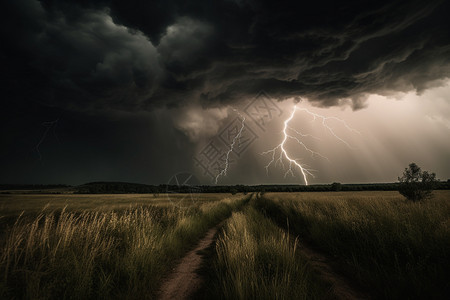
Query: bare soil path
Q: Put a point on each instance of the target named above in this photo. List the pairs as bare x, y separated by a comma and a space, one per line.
342, 288
184, 281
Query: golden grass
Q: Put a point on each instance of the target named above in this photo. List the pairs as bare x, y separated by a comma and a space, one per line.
15, 204
101, 254
255, 259
393, 247
353, 195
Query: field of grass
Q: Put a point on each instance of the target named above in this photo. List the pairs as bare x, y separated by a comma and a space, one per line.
15, 204
120, 246
393, 248
255, 259
92, 252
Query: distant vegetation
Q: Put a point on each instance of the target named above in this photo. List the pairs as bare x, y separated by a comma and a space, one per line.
135, 188
122, 187
32, 186
416, 184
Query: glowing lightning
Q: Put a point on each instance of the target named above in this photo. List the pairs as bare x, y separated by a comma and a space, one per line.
293, 162
236, 137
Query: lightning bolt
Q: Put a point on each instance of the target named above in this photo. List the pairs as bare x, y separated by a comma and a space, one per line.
48, 125
295, 137
224, 171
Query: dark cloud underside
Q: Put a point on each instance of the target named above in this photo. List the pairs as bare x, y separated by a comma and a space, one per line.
134, 55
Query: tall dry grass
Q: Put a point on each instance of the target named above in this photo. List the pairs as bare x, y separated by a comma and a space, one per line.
255, 259
98, 254
394, 248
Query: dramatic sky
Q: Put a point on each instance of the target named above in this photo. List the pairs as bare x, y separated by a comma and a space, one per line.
141, 90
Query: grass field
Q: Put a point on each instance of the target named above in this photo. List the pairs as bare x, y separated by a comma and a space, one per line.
86, 251
120, 246
14, 204
392, 248
255, 259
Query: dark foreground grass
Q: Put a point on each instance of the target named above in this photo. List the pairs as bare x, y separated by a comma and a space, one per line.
255, 259
393, 248
101, 254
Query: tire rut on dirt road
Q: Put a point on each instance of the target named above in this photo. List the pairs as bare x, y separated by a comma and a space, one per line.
184, 281
342, 288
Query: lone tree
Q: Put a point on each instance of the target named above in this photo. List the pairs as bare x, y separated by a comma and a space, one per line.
416, 184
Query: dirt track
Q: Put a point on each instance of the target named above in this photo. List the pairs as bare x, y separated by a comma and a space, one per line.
184, 281
342, 288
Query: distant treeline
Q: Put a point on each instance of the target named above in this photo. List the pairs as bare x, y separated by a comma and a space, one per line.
124, 187
135, 188
4, 187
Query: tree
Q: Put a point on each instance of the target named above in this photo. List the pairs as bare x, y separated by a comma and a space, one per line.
336, 186
416, 184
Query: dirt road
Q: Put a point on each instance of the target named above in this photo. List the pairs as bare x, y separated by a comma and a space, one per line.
184, 281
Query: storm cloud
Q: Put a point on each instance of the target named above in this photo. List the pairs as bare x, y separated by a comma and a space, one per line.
138, 55
135, 89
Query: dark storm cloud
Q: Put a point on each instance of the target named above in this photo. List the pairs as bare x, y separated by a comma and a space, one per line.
131, 55
82, 147
80, 60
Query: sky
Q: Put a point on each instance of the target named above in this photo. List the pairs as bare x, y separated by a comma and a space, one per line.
140, 91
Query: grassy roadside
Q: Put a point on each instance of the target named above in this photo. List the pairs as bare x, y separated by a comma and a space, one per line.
255, 259
396, 249
98, 254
